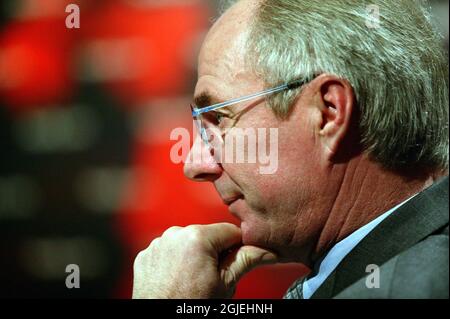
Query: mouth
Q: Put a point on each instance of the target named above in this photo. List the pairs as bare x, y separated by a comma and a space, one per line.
235, 206
230, 200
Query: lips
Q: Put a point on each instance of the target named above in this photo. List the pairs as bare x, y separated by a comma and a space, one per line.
230, 200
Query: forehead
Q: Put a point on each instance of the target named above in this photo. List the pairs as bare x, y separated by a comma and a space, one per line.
229, 32
224, 48
222, 57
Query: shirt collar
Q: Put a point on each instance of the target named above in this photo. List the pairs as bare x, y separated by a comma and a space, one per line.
336, 254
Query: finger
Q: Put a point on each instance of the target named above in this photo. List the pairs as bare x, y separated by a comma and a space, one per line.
242, 261
223, 236
170, 231
152, 243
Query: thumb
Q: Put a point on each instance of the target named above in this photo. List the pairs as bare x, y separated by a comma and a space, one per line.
242, 260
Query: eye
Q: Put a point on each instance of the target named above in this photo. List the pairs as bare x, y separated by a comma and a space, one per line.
219, 117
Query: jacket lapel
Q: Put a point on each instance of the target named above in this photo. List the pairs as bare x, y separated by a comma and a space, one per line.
421, 216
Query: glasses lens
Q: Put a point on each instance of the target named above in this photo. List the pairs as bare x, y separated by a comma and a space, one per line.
208, 131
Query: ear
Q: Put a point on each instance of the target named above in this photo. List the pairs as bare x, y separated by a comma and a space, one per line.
337, 104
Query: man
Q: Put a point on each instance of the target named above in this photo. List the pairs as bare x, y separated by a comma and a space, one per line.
360, 194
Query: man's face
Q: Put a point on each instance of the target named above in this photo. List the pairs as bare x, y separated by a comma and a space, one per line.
276, 210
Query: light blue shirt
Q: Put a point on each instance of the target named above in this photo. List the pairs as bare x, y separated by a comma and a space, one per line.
340, 250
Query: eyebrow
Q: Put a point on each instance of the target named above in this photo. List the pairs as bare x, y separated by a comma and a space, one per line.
205, 99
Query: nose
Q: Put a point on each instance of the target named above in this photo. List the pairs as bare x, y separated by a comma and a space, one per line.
200, 165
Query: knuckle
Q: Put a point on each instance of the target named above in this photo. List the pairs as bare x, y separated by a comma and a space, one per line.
172, 230
154, 244
140, 256
195, 233
138, 260
145, 255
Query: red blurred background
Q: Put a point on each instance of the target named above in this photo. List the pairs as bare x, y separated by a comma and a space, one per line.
85, 119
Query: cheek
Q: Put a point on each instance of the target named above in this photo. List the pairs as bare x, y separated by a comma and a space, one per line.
259, 190
267, 192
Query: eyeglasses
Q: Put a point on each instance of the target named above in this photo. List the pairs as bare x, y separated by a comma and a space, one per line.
213, 125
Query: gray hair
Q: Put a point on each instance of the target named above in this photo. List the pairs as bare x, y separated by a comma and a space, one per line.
398, 69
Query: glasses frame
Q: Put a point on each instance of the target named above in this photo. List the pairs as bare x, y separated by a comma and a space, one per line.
197, 112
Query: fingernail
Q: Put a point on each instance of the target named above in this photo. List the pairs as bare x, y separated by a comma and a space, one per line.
269, 258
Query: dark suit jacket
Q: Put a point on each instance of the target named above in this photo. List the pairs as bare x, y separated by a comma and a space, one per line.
410, 247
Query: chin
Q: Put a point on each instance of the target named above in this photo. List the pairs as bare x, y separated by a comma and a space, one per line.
255, 229
256, 232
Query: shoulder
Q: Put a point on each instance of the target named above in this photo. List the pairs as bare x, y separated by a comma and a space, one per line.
422, 271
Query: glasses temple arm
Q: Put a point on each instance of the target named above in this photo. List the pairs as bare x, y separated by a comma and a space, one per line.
283, 87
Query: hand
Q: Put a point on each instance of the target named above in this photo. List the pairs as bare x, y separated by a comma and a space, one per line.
198, 261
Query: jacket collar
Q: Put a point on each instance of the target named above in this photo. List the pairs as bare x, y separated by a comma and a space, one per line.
423, 215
